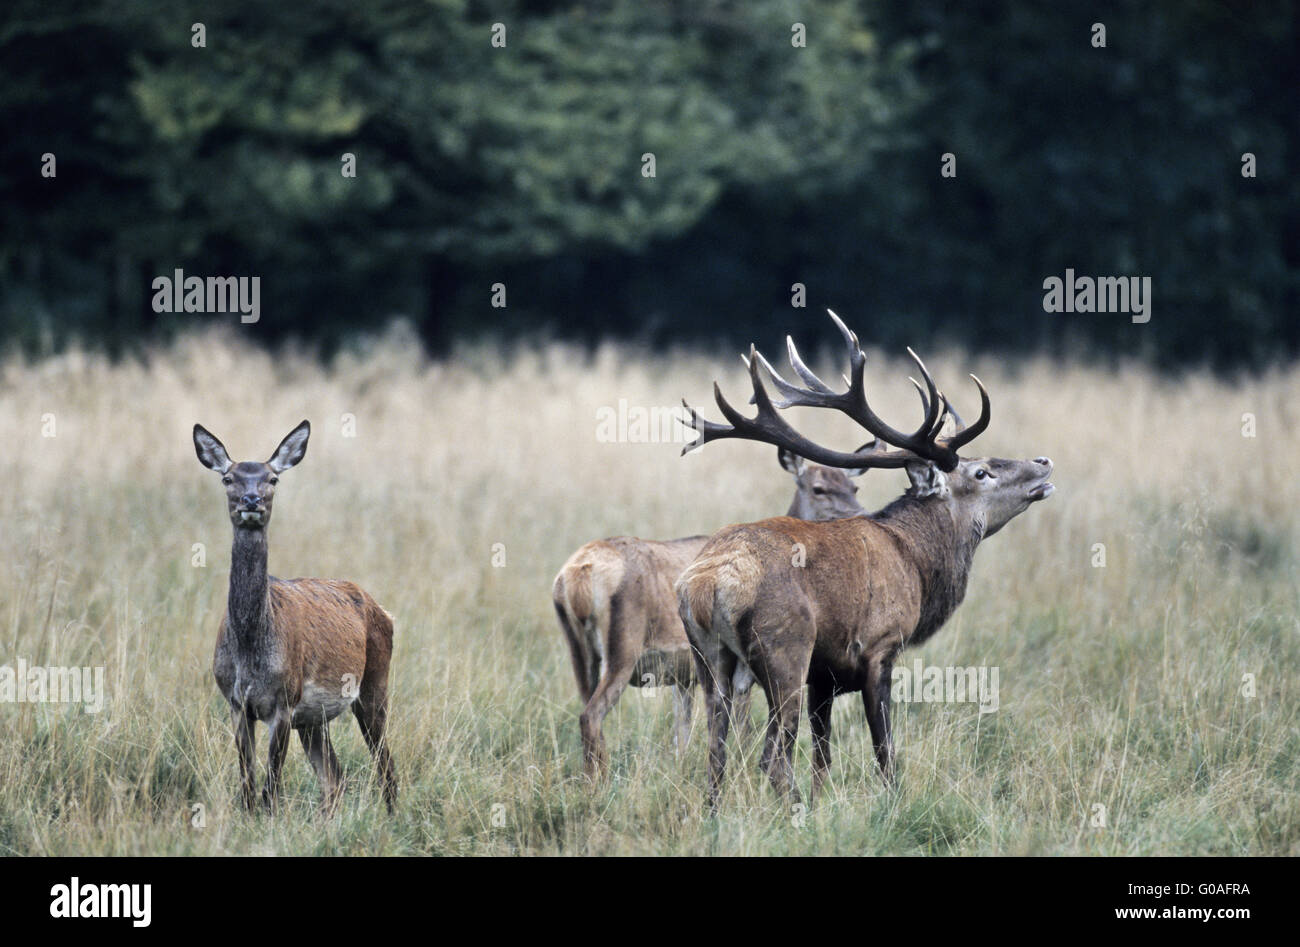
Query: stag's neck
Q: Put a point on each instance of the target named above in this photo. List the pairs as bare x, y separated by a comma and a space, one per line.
941, 547
248, 607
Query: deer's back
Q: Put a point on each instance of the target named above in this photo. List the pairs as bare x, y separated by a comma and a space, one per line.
329, 619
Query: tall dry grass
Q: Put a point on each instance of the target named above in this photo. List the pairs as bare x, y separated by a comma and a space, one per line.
1121, 686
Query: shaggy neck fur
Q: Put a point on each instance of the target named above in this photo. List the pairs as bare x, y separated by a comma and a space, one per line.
248, 606
942, 549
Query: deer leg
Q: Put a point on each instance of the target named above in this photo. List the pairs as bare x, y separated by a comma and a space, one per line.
785, 695
620, 661
770, 738
280, 725
821, 697
245, 743
715, 677
316, 742
875, 697
618, 672
371, 710
584, 667
682, 700
742, 693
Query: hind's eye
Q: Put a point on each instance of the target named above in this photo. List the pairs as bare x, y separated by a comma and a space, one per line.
981, 474
227, 480
819, 490
274, 481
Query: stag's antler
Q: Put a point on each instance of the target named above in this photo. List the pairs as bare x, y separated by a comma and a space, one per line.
768, 426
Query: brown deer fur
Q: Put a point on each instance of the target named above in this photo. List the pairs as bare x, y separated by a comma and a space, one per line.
615, 603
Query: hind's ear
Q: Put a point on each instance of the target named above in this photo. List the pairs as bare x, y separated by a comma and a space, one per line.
859, 471
291, 450
790, 460
212, 453
927, 479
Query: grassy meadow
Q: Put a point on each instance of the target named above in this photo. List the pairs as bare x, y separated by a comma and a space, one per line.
1121, 685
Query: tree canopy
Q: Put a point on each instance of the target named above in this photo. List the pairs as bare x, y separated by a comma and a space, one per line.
665, 170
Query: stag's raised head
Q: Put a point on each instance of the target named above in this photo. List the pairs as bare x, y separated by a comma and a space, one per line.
987, 492
990, 491
250, 485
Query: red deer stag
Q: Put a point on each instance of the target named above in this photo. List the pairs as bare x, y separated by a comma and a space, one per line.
614, 599
832, 604
294, 653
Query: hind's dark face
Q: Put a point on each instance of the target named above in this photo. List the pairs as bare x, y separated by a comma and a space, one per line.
821, 493
250, 486
825, 493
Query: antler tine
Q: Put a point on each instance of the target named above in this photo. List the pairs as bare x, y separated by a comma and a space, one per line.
957, 423
947, 412
756, 428
708, 430
933, 410
803, 371
850, 337
966, 434
925, 403
791, 394
918, 442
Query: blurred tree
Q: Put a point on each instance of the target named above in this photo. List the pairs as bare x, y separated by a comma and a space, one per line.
792, 142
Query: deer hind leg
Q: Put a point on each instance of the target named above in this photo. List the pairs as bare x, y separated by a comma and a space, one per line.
682, 700
821, 697
785, 697
621, 656
245, 744
875, 697
783, 684
585, 665
316, 742
715, 675
281, 724
618, 673
742, 693
371, 711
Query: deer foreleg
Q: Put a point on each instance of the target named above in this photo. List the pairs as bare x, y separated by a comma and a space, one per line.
280, 727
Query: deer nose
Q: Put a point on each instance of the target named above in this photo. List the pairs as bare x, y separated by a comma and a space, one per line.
250, 499
1043, 461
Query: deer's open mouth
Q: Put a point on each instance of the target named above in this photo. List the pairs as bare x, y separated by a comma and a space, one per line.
251, 517
1042, 490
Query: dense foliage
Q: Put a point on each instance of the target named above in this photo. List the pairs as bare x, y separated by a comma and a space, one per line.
774, 164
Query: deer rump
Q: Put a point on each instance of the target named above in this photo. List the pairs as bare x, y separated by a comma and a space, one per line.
614, 599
